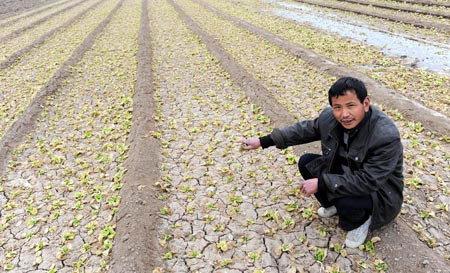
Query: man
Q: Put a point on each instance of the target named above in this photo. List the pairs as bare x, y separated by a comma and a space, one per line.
358, 176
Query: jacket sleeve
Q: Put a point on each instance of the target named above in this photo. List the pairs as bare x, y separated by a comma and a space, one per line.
299, 133
382, 161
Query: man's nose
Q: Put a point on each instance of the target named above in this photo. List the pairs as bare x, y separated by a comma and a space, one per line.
345, 112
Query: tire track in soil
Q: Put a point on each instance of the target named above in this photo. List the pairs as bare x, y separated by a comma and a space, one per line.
393, 18
24, 125
16, 56
414, 245
40, 21
381, 94
32, 13
138, 218
385, 5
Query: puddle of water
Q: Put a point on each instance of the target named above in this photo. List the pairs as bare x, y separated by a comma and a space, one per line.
419, 53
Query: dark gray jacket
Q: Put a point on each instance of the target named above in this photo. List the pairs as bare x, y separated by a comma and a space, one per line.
375, 158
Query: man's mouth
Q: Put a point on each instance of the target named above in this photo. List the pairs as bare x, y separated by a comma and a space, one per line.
347, 122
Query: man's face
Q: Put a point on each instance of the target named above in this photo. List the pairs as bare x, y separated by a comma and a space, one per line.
348, 110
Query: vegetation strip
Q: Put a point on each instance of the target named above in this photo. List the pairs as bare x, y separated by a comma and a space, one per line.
142, 167
400, 8
33, 24
22, 126
32, 13
433, 120
399, 19
16, 56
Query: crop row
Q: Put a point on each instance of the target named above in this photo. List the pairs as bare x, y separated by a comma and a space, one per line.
26, 78
61, 189
426, 87
226, 209
426, 155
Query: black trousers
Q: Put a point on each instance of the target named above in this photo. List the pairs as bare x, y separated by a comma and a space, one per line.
352, 211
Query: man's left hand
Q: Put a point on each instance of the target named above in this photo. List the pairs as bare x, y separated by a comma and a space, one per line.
310, 186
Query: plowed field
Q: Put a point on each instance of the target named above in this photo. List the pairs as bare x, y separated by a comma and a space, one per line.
119, 128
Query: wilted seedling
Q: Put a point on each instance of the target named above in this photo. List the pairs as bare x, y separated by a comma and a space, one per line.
223, 246
223, 263
307, 213
320, 254
194, 254
292, 206
380, 265
254, 256
165, 211
322, 231
219, 228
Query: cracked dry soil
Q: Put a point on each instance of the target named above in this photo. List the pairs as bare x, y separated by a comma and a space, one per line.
215, 207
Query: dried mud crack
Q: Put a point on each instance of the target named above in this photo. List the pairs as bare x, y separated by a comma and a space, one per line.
120, 122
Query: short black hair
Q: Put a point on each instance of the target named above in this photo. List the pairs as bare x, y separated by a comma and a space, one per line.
347, 83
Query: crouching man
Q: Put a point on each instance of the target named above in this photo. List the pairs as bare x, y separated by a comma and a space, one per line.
358, 176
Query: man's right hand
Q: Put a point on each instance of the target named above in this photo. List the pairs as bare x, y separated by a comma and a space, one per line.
250, 143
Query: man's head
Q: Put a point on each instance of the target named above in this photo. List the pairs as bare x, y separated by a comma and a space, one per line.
349, 100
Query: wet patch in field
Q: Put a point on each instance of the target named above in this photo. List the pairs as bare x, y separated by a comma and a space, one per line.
415, 52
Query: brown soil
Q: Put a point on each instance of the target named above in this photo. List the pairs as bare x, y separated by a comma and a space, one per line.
136, 247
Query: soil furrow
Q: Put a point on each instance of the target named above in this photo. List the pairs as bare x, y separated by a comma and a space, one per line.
385, 5
22, 126
72, 164
413, 161
33, 13
382, 94
395, 18
40, 21
18, 54
142, 166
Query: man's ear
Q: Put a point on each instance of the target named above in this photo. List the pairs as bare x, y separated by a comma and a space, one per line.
366, 104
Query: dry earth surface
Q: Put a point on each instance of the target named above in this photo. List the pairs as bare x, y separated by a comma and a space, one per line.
120, 121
